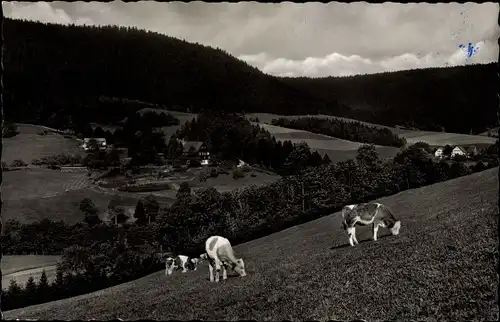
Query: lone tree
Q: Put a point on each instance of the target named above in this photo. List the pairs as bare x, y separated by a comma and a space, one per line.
140, 213
90, 211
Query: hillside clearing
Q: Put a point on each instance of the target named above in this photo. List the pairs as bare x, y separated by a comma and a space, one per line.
441, 266
40, 182
21, 267
28, 145
412, 136
336, 149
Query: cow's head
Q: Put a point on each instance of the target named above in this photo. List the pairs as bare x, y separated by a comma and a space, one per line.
395, 229
240, 267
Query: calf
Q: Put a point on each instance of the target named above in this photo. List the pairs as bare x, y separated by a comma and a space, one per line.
219, 252
180, 262
365, 214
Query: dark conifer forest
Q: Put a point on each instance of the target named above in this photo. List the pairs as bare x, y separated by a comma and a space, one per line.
58, 75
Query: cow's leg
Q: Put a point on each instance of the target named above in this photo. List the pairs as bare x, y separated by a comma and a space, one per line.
224, 271
184, 270
375, 231
211, 271
217, 269
351, 231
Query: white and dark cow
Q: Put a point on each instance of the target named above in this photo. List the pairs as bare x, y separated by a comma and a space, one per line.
220, 253
180, 262
365, 214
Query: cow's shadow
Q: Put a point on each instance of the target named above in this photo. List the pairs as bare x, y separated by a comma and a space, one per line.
347, 245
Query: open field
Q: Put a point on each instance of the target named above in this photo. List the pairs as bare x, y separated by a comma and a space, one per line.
337, 149
40, 183
268, 117
21, 267
441, 266
65, 206
28, 145
411, 136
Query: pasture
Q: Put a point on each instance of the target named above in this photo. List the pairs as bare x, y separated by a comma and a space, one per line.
337, 149
28, 145
21, 267
64, 206
412, 136
442, 266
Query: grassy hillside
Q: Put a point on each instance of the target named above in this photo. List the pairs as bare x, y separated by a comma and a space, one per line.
441, 266
20, 267
28, 145
69, 68
459, 99
433, 138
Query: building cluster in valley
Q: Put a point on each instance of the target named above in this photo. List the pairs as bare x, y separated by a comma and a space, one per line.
192, 151
464, 151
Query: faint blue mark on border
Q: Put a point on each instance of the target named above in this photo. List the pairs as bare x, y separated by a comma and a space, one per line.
471, 50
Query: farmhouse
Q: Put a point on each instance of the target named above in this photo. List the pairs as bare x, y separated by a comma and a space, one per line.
195, 150
439, 152
466, 151
87, 142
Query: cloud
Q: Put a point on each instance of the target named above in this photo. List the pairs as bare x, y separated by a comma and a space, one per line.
336, 64
312, 39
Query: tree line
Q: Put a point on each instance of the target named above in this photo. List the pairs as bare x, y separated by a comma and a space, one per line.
233, 137
352, 131
433, 99
173, 73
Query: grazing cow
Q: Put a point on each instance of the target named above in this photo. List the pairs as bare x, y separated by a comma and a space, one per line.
220, 252
180, 262
365, 214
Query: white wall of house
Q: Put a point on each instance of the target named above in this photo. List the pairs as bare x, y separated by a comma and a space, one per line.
439, 153
457, 151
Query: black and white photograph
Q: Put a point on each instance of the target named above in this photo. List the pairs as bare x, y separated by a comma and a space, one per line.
249, 161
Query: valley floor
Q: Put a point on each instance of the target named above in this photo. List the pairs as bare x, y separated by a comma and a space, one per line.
441, 266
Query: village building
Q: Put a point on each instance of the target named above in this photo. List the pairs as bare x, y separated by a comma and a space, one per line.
195, 150
466, 151
101, 143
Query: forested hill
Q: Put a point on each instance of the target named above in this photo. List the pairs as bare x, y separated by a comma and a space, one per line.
49, 67
456, 98
58, 75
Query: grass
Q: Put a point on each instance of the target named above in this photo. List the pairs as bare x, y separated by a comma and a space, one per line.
411, 136
440, 267
65, 206
16, 263
39, 183
21, 267
28, 145
337, 149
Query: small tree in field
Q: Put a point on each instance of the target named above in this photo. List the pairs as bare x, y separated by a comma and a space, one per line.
140, 213
30, 291
43, 287
90, 211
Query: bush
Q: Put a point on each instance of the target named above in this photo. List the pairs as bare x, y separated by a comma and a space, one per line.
214, 173
238, 173
460, 158
18, 163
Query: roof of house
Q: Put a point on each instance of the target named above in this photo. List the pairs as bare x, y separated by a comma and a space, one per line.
187, 145
469, 149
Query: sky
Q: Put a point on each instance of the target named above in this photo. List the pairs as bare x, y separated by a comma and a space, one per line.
307, 39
